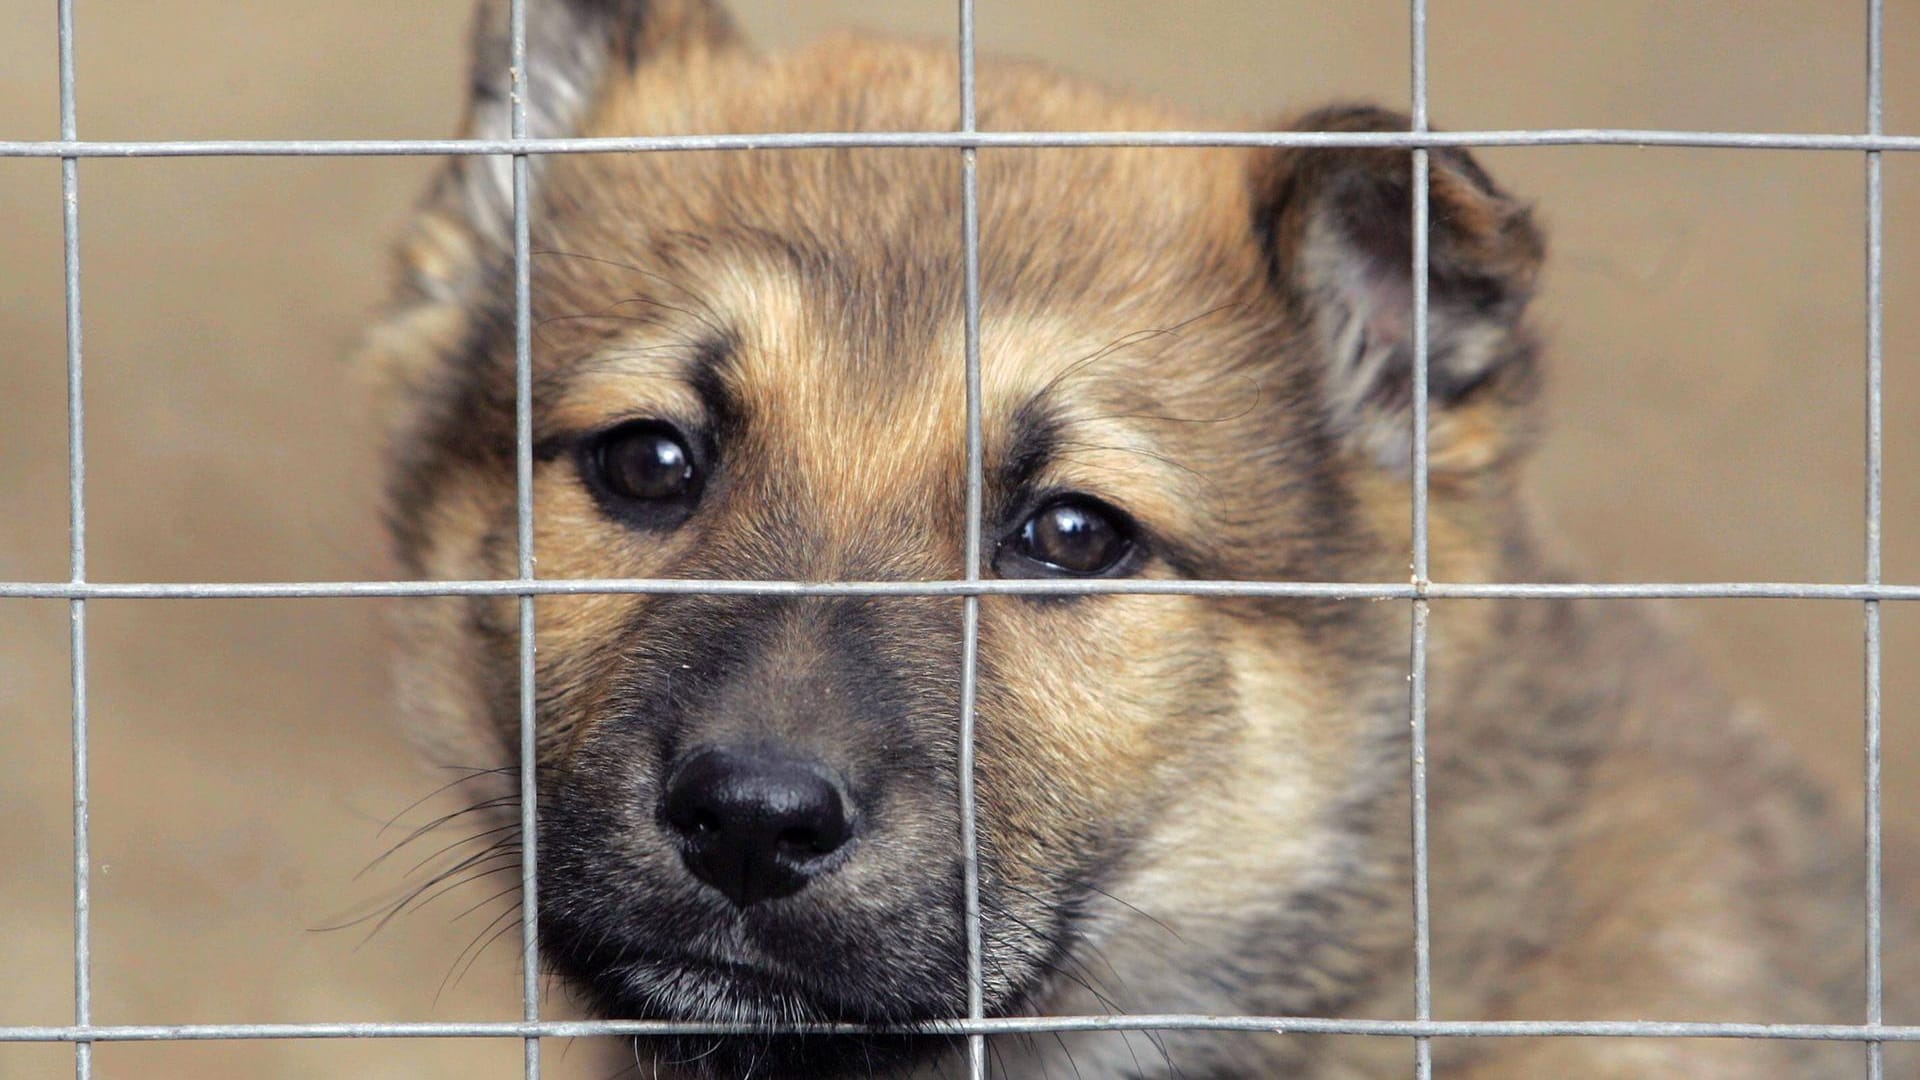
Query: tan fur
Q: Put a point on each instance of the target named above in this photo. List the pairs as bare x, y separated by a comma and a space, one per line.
1608, 842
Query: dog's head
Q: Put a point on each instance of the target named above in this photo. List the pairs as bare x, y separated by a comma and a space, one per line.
1195, 364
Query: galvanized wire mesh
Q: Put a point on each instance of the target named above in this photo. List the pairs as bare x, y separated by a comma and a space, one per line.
966, 140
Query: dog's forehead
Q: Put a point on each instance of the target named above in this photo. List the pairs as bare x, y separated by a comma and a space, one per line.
843, 284
1148, 234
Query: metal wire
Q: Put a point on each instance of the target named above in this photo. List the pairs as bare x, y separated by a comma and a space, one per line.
76, 553
519, 84
1304, 590
970, 628
1420, 590
1875, 454
1417, 662
816, 140
1001, 1025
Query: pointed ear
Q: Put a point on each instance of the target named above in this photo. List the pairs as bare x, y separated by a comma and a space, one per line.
461, 237
575, 48
1338, 225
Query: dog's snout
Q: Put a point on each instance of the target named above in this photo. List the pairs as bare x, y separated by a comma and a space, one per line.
756, 824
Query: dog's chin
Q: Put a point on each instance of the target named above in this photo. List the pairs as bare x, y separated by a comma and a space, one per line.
766, 1006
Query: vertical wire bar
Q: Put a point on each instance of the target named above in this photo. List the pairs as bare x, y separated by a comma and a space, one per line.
970, 632
523, 510
1417, 674
1876, 1052
77, 556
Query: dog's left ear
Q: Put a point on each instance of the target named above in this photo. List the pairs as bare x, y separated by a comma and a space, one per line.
1338, 227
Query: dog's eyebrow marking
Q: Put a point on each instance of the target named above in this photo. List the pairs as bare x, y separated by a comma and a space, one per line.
1035, 436
708, 375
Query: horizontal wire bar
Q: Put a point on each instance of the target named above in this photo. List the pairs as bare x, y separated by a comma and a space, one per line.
1279, 1025
1307, 590
833, 140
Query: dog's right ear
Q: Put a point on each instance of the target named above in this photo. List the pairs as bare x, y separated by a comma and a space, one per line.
454, 255
575, 49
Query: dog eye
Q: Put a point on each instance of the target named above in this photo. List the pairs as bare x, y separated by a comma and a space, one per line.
1075, 535
645, 461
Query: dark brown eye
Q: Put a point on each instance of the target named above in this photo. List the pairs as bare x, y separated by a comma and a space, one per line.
1076, 535
645, 461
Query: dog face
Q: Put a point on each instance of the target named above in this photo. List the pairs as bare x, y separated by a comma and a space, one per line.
749, 365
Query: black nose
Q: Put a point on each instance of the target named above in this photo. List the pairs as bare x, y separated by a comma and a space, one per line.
756, 824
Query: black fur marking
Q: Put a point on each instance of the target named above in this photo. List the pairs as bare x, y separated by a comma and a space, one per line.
863, 684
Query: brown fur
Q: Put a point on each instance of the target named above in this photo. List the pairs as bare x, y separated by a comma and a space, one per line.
1187, 804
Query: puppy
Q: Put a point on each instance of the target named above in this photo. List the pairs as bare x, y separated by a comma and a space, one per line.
1196, 364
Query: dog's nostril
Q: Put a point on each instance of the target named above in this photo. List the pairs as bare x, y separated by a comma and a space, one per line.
805, 841
755, 823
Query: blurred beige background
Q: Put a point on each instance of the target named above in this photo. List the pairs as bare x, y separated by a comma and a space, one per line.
1705, 308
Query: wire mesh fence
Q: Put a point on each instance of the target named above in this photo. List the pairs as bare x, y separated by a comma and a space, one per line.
966, 140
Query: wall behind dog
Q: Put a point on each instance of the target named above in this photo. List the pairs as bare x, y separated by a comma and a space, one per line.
1705, 309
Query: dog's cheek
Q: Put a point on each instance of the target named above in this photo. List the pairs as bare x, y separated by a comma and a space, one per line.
1095, 712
